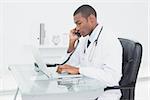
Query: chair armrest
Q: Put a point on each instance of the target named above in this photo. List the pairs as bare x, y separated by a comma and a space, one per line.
119, 87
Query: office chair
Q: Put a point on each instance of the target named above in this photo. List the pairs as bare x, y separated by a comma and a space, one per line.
132, 54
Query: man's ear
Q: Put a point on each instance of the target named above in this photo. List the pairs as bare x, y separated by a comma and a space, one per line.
91, 18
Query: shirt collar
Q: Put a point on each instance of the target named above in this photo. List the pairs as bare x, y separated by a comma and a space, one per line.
95, 33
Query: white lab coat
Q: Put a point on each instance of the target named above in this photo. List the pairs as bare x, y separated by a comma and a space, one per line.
103, 63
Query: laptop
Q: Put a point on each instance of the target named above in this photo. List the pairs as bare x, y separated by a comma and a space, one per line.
50, 72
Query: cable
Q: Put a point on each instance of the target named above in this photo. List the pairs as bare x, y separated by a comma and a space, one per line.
54, 65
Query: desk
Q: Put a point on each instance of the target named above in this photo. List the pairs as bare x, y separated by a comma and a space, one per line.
34, 88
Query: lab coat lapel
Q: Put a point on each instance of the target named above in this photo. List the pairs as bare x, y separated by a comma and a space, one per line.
87, 53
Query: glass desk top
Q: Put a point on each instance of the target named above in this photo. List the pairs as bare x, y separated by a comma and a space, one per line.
31, 82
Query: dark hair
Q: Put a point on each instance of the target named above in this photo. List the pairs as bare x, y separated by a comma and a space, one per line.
86, 11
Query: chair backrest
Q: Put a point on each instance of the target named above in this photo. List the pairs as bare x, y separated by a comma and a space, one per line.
132, 53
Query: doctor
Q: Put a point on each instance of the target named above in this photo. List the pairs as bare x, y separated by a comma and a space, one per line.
98, 53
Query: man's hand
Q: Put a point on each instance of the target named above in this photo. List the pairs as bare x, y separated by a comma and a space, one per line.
72, 35
67, 68
72, 39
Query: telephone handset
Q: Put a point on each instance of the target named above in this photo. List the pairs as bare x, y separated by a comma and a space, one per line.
78, 34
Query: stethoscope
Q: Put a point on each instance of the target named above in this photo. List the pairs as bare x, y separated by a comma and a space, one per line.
96, 41
90, 55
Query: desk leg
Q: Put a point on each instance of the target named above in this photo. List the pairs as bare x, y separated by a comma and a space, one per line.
16, 93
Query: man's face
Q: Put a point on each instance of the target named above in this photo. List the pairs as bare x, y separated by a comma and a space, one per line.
82, 24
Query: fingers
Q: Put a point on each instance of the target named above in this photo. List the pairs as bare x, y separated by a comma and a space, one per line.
67, 68
61, 68
72, 34
74, 31
58, 70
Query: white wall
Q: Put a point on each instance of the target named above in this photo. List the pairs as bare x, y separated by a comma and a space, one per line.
1, 37
22, 20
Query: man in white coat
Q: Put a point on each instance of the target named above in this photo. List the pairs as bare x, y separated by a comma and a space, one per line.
97, 55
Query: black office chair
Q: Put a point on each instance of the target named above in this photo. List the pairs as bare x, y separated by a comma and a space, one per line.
132, 54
